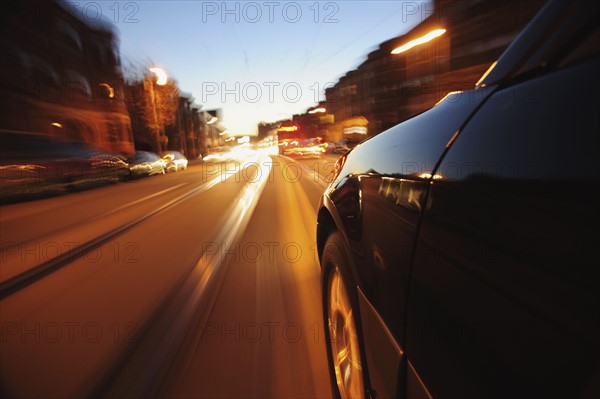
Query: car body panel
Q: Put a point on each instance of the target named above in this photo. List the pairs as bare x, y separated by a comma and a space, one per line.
390, 192
505, 282
393, 200
472, 228
385, 358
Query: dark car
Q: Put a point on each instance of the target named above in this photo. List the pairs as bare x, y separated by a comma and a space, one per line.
146, 163
458, 248
34, 165
175, 161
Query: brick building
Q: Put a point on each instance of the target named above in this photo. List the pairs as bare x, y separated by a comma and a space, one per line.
61, 74
387, 88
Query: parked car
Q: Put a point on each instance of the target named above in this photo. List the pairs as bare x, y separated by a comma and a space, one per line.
145, 163
175, 161
458, 248
34, 165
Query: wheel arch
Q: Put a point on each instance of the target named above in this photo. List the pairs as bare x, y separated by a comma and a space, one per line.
325, 227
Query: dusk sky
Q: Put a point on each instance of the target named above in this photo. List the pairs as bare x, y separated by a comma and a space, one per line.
258, 61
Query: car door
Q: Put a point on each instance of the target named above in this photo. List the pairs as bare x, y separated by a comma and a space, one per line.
504, 297
380, 205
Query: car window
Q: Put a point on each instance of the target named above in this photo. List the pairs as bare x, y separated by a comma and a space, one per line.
571, 28
585, 46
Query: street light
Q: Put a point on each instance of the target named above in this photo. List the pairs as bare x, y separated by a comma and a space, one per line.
161, 80
320, 109
423, 39
212, 120
161, 75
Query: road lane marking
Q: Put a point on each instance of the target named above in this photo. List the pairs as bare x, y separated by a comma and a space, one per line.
125, 206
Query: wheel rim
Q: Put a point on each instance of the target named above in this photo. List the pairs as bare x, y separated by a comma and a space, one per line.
344, 339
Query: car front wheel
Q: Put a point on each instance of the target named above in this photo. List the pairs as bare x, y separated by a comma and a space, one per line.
340, 317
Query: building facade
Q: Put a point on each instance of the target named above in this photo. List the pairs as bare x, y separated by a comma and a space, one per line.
61, 75
387, 88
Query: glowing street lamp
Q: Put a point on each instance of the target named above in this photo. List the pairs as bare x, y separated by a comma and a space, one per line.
161, 79
109, 89
161, 75
416, 42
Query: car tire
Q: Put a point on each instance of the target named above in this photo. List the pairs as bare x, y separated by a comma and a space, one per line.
341, 322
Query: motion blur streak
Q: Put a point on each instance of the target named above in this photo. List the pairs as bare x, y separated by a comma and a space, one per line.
144, 373
16, 272
269, 343
136, 316
78, 320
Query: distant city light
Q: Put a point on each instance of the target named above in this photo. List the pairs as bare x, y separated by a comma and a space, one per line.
56, 124
288, 128
355, 130
314, 111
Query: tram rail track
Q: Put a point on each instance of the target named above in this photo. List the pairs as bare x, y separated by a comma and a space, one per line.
18, 273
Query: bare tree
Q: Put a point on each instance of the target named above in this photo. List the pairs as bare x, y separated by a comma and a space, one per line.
152, 107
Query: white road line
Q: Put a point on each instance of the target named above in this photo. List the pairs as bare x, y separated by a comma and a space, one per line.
137, 201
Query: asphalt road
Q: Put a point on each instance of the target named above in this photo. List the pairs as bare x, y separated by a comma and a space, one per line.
202, 283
